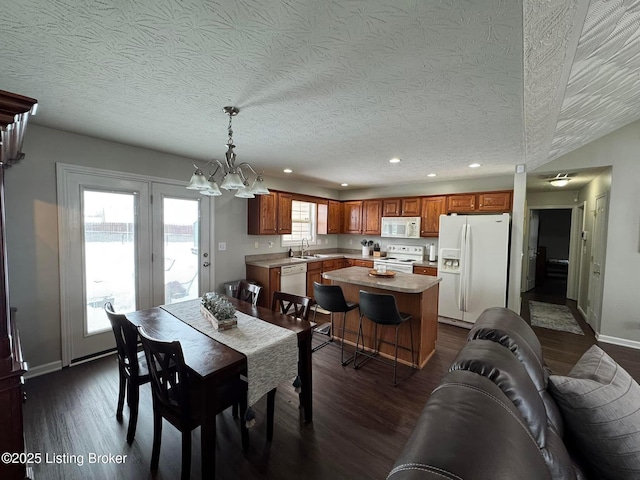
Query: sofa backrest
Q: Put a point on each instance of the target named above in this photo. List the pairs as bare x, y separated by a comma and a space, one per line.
507, 328
469, 429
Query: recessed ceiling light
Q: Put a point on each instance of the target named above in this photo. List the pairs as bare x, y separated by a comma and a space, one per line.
431, 175
474, 165
344, 184
395, 160
287, 170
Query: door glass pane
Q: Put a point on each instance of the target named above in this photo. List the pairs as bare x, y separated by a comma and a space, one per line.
181, 233
109, 255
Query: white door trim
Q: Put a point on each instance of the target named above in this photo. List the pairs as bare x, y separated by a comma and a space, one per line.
64, 173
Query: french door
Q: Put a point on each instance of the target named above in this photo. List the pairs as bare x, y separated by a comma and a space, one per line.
131, 241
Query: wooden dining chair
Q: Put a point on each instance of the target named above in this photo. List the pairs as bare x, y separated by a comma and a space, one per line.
293, 305
132, 366
248, 292
177, 397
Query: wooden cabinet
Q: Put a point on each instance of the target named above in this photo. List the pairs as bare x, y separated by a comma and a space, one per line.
352, 217
433, 271
269, 214
461, 203
363, 263
494, 202
411, 207
371, 217
480, 202
401, 207
314, 274
327, 266
432, 208
334, 217
391, 207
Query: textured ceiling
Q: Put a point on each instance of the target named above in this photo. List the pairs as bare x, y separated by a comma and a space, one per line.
334, 88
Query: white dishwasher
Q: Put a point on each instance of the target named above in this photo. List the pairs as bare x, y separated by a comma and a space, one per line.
293, 279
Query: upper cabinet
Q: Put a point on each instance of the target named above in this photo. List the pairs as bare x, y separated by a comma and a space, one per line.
352, 217
401, 207
371, 215
432, 208
333, 222
270, 214
480, 202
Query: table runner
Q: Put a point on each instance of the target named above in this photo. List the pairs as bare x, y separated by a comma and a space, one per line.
271, 351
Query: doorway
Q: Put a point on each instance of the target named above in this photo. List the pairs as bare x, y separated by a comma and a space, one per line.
133, 241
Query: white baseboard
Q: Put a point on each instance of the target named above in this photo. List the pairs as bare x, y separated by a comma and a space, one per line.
43, 369
623, 342
583, 313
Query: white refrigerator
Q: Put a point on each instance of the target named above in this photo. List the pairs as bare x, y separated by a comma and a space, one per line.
473, 260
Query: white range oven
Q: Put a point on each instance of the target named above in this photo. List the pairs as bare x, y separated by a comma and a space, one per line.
400, 258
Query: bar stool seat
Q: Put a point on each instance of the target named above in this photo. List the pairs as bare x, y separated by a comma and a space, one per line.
331, 298
381, 309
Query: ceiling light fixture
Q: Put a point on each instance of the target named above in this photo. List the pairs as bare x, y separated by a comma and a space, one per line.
560, 180
233, 176
344, 184
287, 170
431, 175
475, 165
395, 160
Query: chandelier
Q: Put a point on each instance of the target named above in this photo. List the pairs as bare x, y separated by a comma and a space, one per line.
233, 176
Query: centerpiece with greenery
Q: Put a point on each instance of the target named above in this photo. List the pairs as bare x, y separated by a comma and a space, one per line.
218, 310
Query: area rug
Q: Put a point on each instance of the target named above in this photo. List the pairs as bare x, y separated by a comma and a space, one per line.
553, 316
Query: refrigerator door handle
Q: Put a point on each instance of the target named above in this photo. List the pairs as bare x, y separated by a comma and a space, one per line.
463, 262
467, 264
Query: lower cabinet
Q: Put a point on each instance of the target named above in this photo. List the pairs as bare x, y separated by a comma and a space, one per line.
314, 274
356, 262
433, 271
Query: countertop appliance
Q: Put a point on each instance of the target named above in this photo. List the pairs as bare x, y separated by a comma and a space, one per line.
293, 279
474, 251
400, 258
401, 227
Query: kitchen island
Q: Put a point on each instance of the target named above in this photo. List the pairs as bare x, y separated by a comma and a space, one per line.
415, 294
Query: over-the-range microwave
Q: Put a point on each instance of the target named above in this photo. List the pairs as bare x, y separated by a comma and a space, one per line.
401, 227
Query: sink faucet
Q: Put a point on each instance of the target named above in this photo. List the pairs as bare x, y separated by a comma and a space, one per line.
302, 246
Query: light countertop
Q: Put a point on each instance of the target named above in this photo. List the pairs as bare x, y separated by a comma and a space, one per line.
282, 261
401, 282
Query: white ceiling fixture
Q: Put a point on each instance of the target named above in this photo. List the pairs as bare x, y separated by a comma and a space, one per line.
560, 180
395, 160
475, 165
287, 170
234, 177
431, 175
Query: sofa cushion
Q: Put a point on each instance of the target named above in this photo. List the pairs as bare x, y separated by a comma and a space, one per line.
600, 404
505, 327
469, 429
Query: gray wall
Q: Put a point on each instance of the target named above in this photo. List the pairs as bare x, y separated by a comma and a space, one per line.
620, 315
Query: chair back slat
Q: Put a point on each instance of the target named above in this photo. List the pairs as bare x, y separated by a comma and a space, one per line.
169, 375
126, 336
297, 306
248, 292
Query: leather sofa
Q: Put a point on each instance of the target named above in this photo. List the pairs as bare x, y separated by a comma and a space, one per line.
491, 417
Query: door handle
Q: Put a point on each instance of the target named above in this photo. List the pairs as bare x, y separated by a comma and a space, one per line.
206, 264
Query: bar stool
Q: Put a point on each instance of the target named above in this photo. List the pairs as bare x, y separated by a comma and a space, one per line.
381, 309
331, 298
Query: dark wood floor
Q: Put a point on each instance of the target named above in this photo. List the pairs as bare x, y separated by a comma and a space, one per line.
361, 422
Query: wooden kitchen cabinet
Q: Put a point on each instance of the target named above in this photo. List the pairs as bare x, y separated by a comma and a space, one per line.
352, 217
499, 201
371, 217
494, 202
362, 263
333, 221
314, 274
433, 271
269, 214
432, 208
268, 279
401, 207
461, 203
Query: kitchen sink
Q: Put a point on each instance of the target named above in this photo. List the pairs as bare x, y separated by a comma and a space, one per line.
306, 257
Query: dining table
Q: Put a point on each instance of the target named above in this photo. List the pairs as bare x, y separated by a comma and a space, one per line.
213, 363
